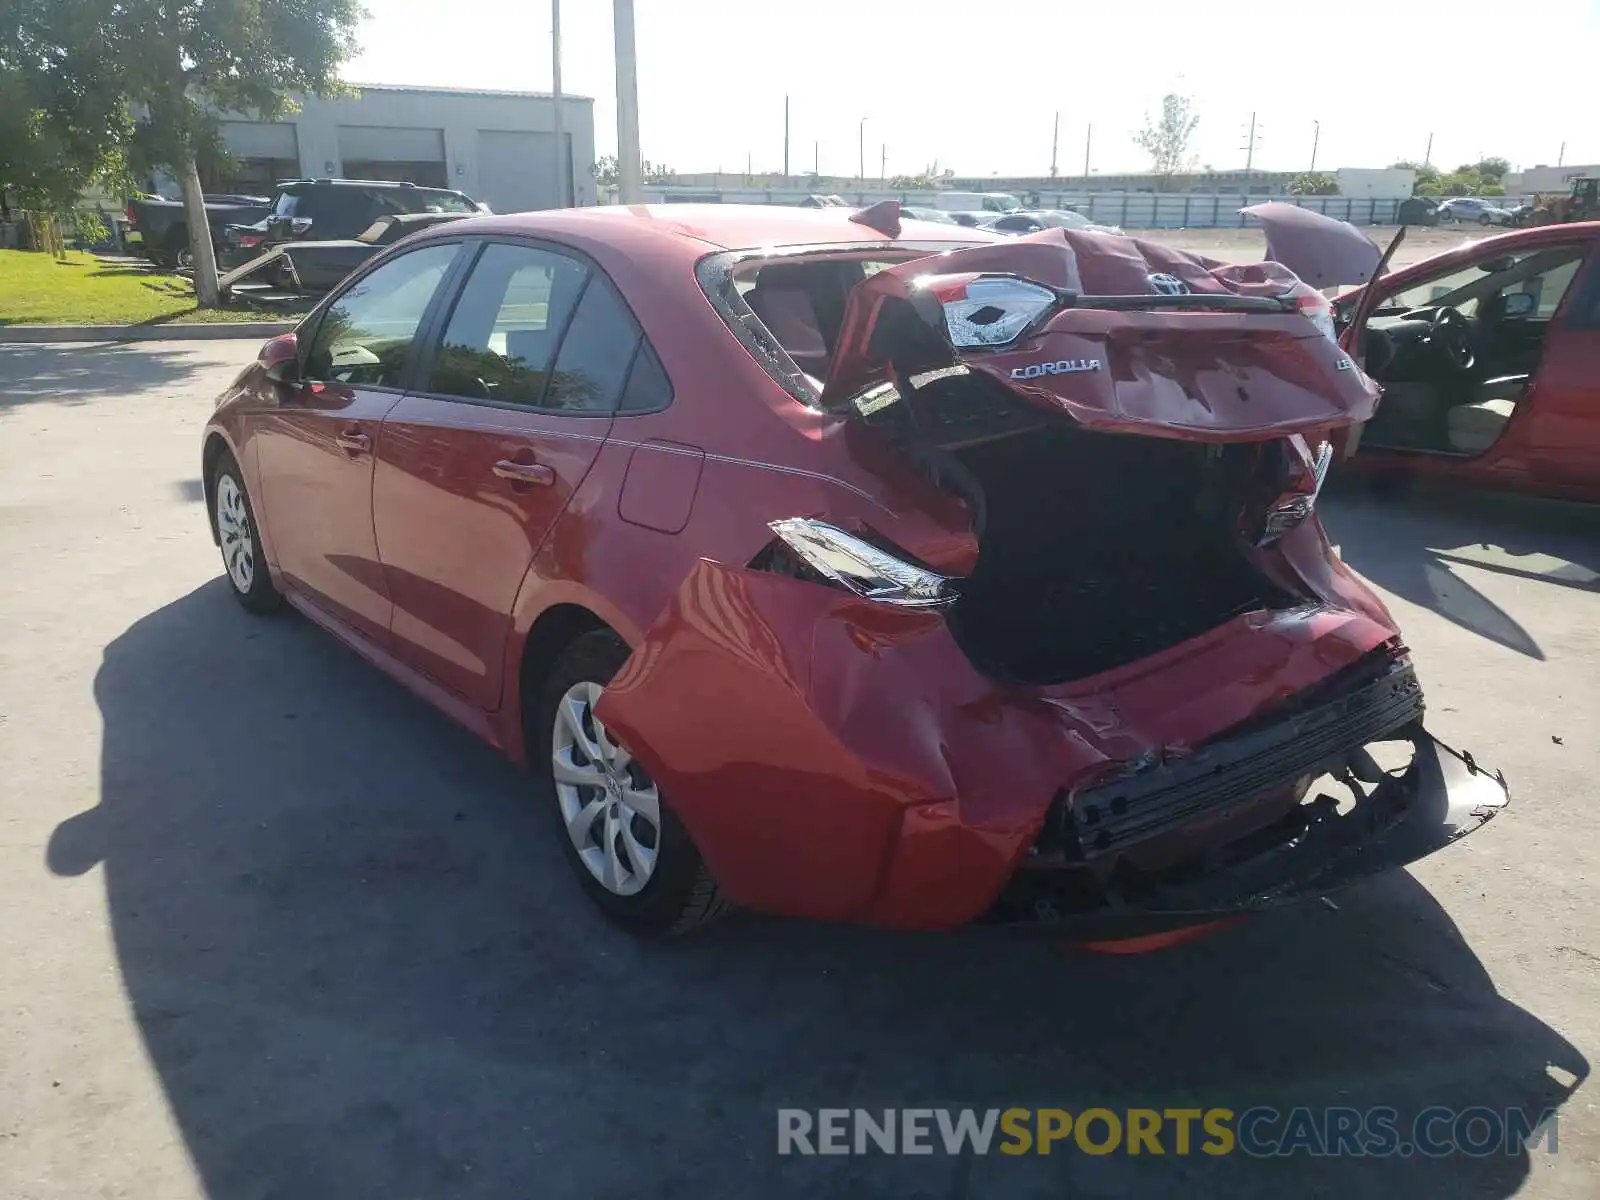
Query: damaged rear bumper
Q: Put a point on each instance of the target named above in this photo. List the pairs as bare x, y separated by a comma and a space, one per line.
1441, 796
841, 759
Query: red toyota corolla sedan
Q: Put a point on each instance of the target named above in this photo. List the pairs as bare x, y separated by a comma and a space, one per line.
855, 570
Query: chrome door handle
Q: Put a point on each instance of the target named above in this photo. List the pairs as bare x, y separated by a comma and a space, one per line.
525, 472
354, 442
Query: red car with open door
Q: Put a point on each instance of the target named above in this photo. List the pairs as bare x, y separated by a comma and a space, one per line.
1489, 359
855, 569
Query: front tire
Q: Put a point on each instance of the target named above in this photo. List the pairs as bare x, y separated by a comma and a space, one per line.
239, 539
631, 854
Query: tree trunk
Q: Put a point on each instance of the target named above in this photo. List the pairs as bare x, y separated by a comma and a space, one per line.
194, 213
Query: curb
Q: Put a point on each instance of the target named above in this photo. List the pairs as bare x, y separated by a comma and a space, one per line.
144, 333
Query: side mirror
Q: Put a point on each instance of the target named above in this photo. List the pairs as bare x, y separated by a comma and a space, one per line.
280, 359
1520, 304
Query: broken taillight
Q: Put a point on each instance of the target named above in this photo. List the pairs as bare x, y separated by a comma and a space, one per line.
1316, 308
985, 311
860, 567
1306, 471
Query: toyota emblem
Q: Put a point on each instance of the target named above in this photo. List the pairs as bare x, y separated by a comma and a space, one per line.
1168, 285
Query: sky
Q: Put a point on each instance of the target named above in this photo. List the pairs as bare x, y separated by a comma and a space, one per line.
975, 86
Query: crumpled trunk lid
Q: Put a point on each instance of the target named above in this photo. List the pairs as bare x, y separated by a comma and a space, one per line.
1141, 338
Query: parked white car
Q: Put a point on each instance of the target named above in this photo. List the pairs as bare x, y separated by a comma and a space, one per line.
1474, 209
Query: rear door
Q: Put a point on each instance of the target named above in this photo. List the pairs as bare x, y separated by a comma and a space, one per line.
516, 397
315, 449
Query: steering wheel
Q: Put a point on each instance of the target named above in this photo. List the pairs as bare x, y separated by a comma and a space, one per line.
1452, 337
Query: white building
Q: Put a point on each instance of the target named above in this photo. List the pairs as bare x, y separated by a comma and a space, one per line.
1546, 179
495, 146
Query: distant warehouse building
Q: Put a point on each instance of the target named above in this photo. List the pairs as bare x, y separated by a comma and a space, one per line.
495, 146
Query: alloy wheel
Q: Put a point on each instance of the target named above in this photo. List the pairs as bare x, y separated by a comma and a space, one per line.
233, 529
610, 806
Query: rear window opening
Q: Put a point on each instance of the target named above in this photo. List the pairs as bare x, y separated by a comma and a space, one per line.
1094, 549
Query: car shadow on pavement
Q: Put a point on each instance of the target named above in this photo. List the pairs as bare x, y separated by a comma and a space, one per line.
78, 374
1413, 547
361, 968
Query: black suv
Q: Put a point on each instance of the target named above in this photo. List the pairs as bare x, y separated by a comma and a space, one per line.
333, 209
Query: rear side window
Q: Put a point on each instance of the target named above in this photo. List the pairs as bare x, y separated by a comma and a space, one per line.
503, 333
593, 363
364, 337
648, 389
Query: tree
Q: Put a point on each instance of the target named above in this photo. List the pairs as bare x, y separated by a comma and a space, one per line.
606, 173
176, 62
1166, 140
1313, 183
1427, 176
61, 128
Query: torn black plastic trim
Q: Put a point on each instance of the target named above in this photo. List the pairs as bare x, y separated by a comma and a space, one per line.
1162, 797
1442, 796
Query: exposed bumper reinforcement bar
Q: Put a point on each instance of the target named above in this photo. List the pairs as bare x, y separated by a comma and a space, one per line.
1108, 818
1440, 797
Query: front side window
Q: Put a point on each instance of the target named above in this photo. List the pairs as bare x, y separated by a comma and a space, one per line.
365, 335
1545, 273
503, 334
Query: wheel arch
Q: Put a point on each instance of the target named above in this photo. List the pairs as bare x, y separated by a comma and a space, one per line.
214, 447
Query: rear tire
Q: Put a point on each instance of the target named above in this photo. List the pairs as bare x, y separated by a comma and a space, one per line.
631, 854
239, 538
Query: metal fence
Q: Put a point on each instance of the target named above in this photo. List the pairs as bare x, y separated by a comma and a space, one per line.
1148, 210
1131, 210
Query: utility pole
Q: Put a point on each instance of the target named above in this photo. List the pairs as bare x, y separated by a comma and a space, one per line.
560, 153
1055, 143
883, 163
1088, 140
631, 190
1427, 155
749, 170
816, 159
861, 150
1316, 136
1561, 156
786, 138
1250, 146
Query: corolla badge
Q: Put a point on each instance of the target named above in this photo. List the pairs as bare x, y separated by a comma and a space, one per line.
1168, 285
1062, 366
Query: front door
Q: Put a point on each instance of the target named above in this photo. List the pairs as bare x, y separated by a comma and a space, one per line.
316, 449
1470, 376
1564, 403
476, 466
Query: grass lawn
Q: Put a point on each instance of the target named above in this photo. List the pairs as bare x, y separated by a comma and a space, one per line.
36, 289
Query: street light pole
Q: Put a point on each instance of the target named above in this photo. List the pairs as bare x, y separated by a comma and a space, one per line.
861, 151
1316, 136
559, 151
630, 186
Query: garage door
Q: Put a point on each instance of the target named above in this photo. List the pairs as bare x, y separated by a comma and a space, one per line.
260, 139
408, 154
514, 170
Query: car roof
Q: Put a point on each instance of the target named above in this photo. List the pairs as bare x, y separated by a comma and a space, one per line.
285, 184
693, 229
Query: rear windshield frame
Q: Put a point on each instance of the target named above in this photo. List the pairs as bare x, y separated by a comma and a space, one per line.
717, 273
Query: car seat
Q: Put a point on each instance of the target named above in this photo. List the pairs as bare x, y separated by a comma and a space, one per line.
791, 317
1473, 428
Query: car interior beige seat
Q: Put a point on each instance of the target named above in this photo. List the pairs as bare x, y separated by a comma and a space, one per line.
789, 315
1473, 428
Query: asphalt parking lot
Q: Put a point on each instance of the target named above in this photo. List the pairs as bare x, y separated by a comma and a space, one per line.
274, 929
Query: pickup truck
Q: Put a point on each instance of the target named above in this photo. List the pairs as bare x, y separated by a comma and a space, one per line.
158, 229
